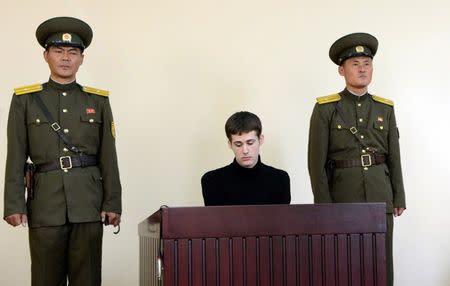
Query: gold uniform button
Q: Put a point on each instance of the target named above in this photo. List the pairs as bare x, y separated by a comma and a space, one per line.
381, 127
65, 110
360, 120
359, 104
65, 150
38, 120
362, 136
66, 131
91, 120
365, 168
65, 171
339, 126
64, 93
364, 151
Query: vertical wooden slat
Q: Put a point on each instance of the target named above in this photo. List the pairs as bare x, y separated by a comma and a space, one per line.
183, 262
381, 259
368, 260
197, 262
291, 261
210, 261
304, 265
342, 260
238, 262
330, 260
316, 260
169, 262
251, 262
277, 260
224, 262
264, 261
143, 263
355, 259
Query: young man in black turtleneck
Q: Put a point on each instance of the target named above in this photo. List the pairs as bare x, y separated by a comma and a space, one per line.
246, 181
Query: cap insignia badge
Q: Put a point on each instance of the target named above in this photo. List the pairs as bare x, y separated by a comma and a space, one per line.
359, 49
66, 37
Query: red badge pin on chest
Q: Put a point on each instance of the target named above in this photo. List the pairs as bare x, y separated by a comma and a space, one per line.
90, 110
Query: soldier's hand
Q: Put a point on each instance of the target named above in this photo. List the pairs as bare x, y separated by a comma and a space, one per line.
113, 218
17, 219
398, 211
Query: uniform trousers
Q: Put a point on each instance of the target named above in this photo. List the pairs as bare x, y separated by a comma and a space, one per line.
71, 252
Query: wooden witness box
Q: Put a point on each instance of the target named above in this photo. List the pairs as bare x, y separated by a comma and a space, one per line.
314, 245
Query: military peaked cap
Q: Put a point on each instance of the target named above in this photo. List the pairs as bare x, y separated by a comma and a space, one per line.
353, 45
64, 31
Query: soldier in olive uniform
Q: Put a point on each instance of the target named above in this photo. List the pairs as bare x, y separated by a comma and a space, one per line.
67, 131
353, 151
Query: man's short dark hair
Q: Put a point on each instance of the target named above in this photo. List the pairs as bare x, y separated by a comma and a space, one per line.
242, 122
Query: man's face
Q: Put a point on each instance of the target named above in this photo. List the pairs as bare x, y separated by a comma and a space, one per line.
245, 147
357, 72
63, 62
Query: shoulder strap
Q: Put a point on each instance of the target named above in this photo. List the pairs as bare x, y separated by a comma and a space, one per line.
55, 126
28, 89
383, 100
328, 98
353, 129
96, 91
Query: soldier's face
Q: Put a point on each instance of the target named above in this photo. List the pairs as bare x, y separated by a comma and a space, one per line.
63, 62
357, 72
245, 147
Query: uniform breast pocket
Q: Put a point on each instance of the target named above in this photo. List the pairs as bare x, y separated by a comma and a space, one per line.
340, 136
90, 128
37, 126
380, 132
381, 126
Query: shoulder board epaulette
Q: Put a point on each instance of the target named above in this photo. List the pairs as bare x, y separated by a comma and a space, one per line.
383, 100
28, 89
96, 91
328, 98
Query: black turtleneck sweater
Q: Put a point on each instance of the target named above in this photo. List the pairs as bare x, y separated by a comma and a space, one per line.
235, 185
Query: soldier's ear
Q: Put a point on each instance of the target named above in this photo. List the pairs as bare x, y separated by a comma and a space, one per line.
45, 54
261, 139
341, 70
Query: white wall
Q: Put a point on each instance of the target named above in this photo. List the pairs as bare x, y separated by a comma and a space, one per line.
177, 69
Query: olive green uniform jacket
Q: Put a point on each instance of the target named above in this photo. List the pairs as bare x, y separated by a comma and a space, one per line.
331, 139
80, 194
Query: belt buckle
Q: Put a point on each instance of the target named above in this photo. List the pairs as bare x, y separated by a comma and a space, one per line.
62, 162
366, 158
353, 130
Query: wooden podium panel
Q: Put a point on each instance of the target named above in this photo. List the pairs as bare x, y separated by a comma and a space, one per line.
328, 244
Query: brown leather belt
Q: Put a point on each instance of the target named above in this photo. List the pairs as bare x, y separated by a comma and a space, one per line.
68, 162
366, 160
